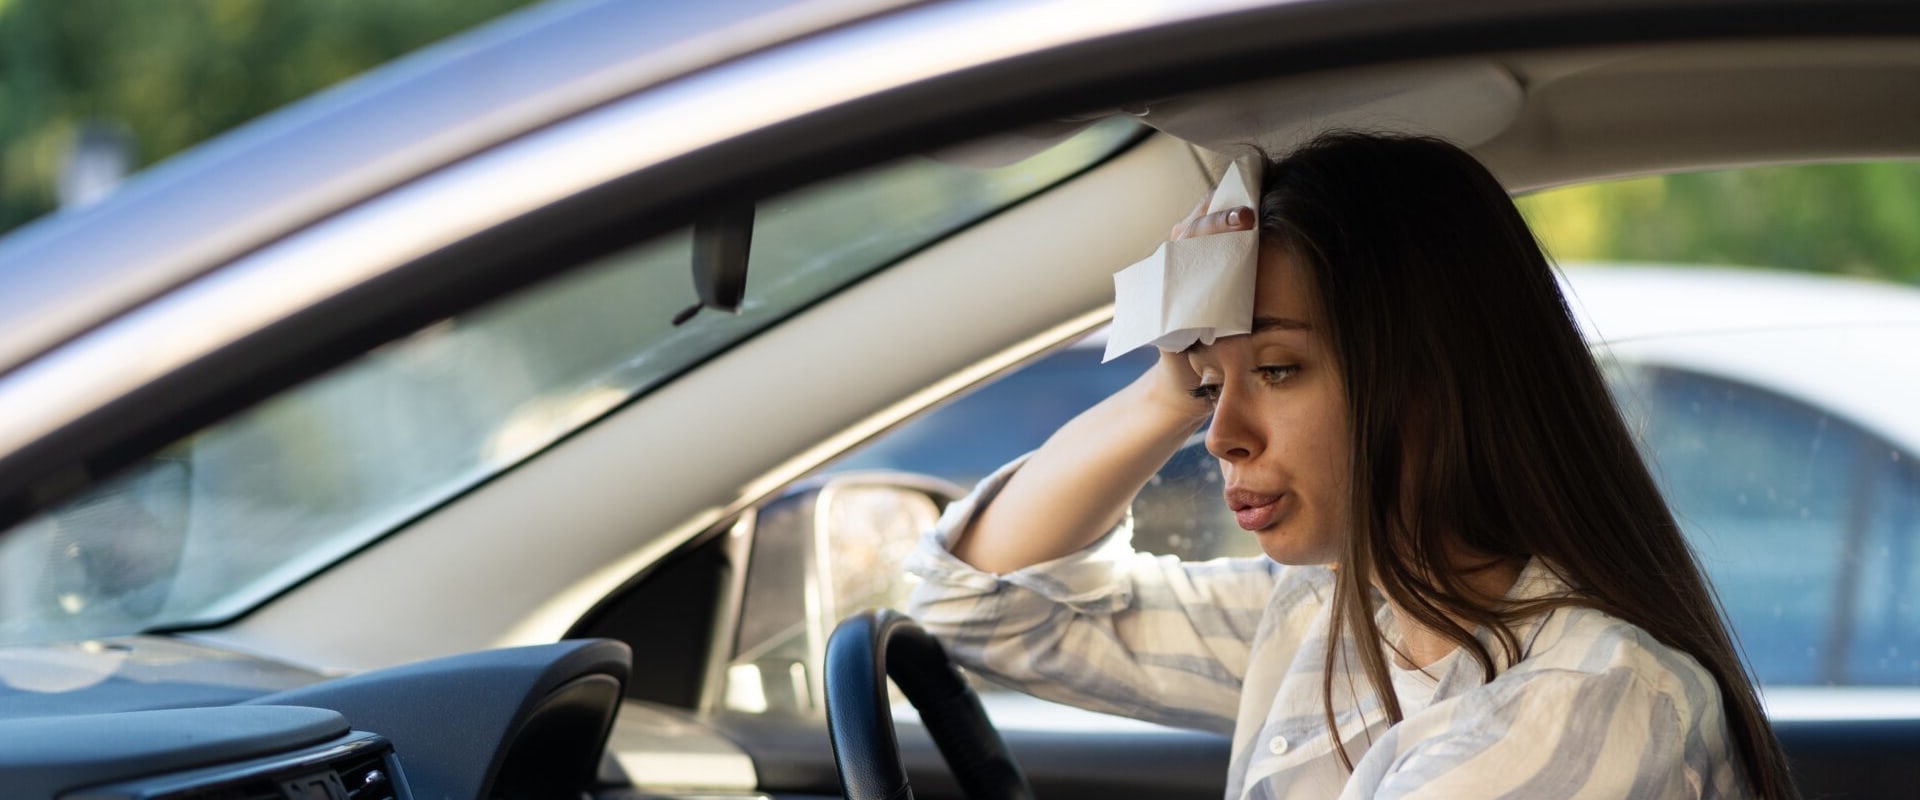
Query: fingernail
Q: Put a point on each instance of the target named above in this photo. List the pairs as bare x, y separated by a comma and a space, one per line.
1237, 217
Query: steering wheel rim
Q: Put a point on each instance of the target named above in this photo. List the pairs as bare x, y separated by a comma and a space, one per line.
865, 649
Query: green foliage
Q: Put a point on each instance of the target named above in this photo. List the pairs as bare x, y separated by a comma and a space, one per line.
1852, 219
176, 72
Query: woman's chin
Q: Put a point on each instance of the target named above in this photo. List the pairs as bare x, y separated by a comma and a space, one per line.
1285, 544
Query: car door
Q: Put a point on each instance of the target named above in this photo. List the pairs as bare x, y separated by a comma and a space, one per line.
1802, 502
527, 552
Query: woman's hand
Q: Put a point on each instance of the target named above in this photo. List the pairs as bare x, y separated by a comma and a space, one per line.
1199, 223
1078, 484
1174, 379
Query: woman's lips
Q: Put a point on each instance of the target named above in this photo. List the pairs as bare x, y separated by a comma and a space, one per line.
1254, 510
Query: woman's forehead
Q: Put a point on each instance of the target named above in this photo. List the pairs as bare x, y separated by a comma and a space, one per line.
1283, 289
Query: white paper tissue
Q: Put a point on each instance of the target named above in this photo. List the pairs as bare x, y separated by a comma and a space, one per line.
1192, 290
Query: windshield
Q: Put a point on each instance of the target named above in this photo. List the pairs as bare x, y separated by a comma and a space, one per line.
220, 521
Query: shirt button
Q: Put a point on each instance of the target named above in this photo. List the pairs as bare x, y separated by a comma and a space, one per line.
1277, 745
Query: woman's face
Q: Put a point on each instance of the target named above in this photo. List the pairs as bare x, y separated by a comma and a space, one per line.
1279, 420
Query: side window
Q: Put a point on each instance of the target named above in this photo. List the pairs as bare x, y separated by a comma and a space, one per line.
832, 547
1180, 512
1883, 647
966, 439
1803, 520
1761, 324
1773, 403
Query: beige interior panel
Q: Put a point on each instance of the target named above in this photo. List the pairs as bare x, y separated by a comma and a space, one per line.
1543, 119
1682, 108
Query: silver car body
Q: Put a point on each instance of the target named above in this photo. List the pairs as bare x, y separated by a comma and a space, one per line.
127, 321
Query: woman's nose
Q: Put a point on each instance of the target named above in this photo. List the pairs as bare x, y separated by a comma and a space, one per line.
1234, 436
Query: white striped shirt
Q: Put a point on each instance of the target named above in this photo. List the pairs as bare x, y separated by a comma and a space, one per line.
1595, 708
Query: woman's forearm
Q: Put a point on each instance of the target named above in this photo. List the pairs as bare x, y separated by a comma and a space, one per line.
1079, 484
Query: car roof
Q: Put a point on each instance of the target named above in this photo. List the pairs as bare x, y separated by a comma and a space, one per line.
1621, 302
73, 269
1536, 119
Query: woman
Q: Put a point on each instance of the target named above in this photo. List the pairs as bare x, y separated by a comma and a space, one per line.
1471, 577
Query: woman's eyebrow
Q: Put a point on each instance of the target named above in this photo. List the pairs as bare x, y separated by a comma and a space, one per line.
1279, 323
1259, 324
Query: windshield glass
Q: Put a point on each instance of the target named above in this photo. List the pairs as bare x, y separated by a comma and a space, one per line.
221, 520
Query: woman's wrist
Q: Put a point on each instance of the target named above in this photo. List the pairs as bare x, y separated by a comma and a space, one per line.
1168, 388
1162, 394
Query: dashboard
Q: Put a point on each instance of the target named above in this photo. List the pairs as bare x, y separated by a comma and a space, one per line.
527, 723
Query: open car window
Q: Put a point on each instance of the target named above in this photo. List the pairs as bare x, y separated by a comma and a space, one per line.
225, 518
1768, 377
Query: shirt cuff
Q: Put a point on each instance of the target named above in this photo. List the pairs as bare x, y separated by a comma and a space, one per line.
1092, 580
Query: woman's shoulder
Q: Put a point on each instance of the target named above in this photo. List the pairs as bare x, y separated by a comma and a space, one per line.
1578, 649
1576, 640
1597, 702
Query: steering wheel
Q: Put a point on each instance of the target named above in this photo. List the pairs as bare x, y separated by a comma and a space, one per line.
865, 649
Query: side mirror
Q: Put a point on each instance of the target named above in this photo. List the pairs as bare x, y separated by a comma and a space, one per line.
821, 551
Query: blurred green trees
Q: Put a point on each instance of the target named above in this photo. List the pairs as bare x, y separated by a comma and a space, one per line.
174, 73
1853, 219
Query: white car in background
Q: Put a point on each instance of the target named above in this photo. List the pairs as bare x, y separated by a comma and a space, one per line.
1778, 412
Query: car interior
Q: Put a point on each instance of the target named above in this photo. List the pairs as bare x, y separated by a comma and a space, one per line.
619, 583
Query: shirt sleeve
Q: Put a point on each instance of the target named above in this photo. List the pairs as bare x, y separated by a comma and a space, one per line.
1562, 733
1106, 628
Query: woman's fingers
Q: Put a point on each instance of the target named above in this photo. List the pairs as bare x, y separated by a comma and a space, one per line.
1180, 228
1227, 221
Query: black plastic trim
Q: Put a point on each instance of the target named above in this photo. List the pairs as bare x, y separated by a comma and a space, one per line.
313, 768
792, 756
458, 722
669, 614
48, 756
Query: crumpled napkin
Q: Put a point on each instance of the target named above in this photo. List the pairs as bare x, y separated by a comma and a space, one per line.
1192, 290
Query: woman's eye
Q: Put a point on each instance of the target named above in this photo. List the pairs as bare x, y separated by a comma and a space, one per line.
1209, 392
1274, 375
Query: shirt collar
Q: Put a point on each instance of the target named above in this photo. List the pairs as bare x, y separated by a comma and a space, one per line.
1538, 580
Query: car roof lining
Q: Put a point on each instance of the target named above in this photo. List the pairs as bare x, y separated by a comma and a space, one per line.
1548, 118
1673, 109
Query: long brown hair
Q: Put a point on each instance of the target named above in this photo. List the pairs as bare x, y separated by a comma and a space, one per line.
1458, 353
